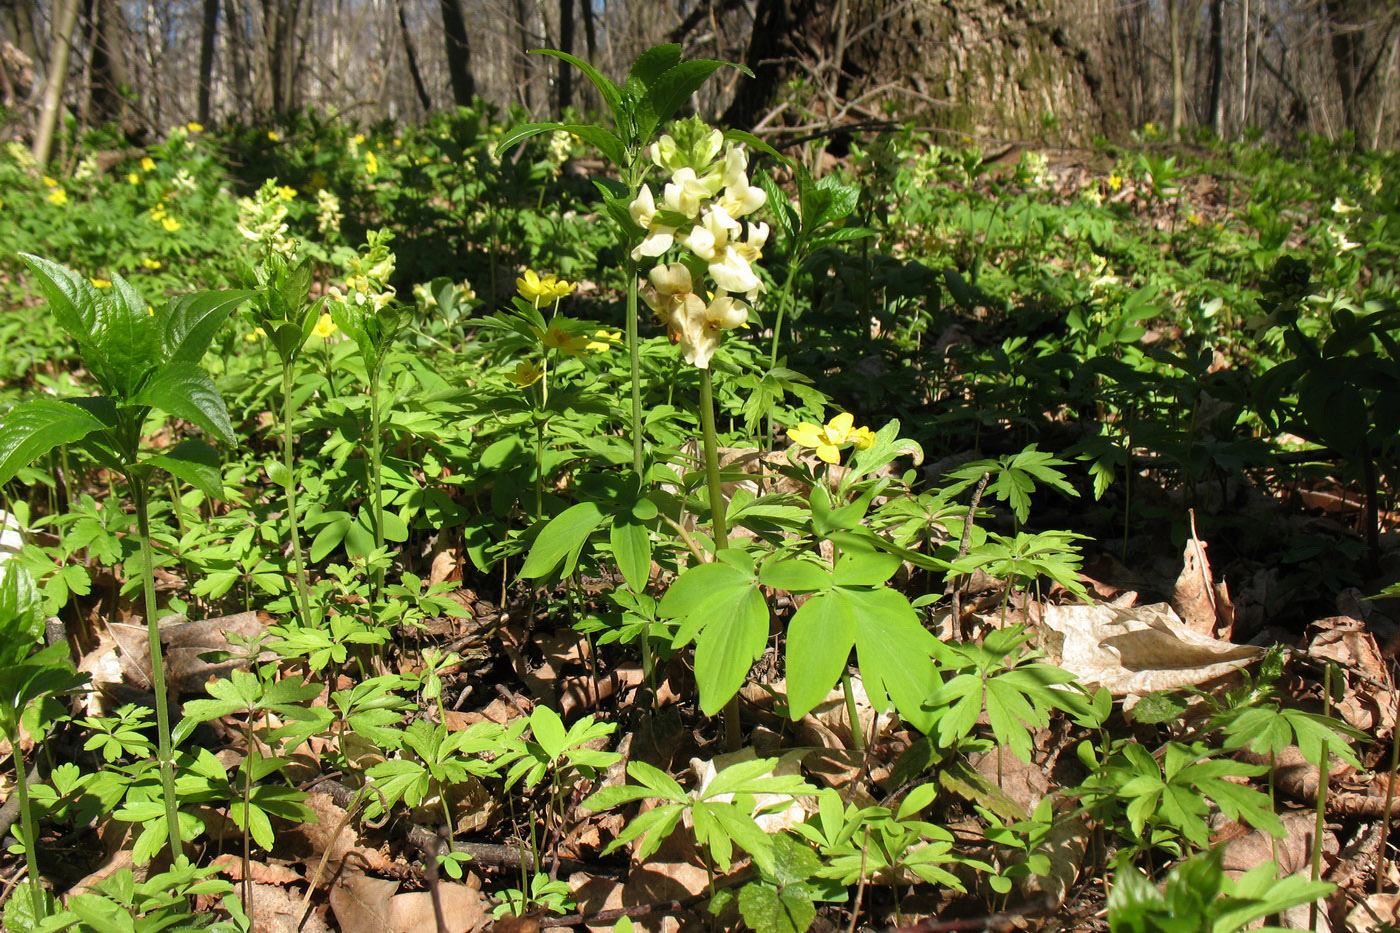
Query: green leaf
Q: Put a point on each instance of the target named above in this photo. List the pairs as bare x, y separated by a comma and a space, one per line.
193, 462
631, 547
186, 391
721, 603
190, 322
608, 144
650, 65
795, 575
611, 94
673, 88
548, 730
33, 428
895, 653
820, 637
563, 536
521, 132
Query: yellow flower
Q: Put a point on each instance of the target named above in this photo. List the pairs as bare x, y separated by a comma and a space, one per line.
551, 288
257, 332
325, 326
272, 135
133, 179
194, 127
359, 138
525, 374
603, 340
371, 163
50, 182
100, 283
827, 441
148, 164
398, 142
557, 338
170, 224
58, 196
150, 310
287, 193
151, 263
157, 213
1115, 181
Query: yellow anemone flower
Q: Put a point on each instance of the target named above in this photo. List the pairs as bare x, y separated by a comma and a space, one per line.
170, 224
603, 341
133, 179
151, 263
100, 283
325, 326
557, 338
827, 441
194, 127
58, 196
257, 332
272, 136
525, 374
287, 193
148, 164
550, 288
1115, 181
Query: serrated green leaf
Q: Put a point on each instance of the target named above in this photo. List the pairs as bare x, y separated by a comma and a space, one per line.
31, 429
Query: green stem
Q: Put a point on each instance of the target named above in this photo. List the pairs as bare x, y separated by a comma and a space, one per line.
293, 523
376, 478
634, 351
718, 528
31, 838
857, 735
784, 298
163, 749
733, 734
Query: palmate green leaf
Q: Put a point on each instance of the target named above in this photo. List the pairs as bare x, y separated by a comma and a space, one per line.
31, 429
767, 909
186, 391
820, 638
895, 653
190, 322
723, 610
194, 462
561, 540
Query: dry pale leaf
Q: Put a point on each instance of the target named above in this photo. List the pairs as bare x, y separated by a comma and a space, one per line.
1136, 650
1375, 914
372, 905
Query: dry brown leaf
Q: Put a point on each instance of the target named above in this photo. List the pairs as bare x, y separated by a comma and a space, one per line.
1366, 706
1375, 914
276, 909
1203, 605
231, 867
1136, 650
184, 642
334, 834
372, 905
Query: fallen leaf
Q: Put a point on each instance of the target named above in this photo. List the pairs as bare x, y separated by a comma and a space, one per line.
1136, 650
373, 905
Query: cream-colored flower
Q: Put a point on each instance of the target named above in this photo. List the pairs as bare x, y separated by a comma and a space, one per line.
659, 237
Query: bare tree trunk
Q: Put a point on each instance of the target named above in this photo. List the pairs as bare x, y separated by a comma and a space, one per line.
525, 67
65, 19
237, 54
17, 22
459, 53
1217, 69
108, 79
412, 57
1361, 33
281, 21
1178, 84
207, 34
564, 80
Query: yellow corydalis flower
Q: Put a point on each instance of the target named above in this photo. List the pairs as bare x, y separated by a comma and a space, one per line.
272, 136
325, 326
151, 263
525, 374
544, 290
827, 441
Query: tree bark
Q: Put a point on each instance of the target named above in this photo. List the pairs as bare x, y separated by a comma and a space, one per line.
208, 33
1178, 81
1361, 33
975, 68
459, 53
564, 75
109, 81
17, 22
411, 54
237, 55
281, 24
1217, 69
65, 19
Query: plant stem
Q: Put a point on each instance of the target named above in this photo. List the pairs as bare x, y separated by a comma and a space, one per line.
293, 523
784, 298
376, 479
163, 749
31, 839
733, 736
857, 736
634, 351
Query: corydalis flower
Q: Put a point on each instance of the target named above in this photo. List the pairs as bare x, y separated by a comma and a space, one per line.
730, 260
828, 440
695, 324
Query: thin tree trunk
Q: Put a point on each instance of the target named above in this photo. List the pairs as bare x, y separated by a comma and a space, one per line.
1178, 83
1217, 69
64, 21
108, 79
459, 53
17, 16
237, 54
412, 57
208, 33
564, 80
